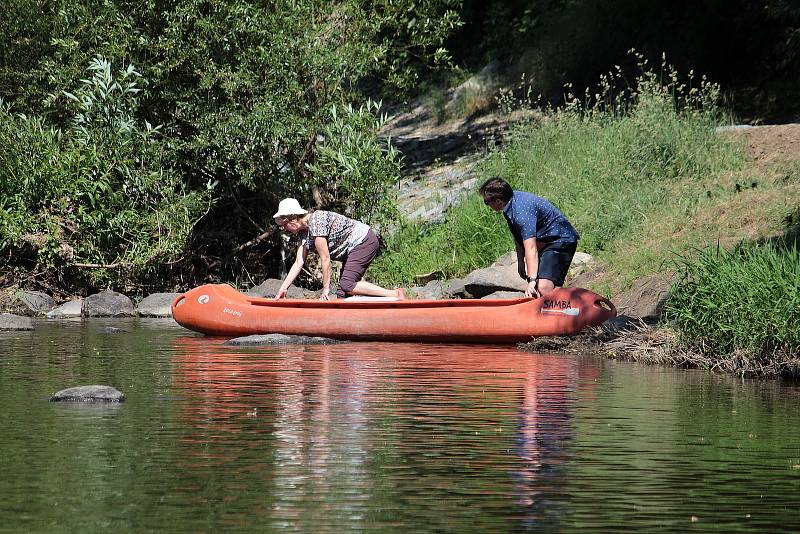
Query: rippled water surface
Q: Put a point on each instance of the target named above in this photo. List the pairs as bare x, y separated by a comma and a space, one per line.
381, 437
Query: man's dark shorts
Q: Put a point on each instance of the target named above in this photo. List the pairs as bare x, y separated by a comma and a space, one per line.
554, 261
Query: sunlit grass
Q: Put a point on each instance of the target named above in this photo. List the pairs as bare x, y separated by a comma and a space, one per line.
646, 178
610, 161
744, 301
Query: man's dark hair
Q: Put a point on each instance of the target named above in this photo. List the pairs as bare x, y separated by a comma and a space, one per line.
495, 187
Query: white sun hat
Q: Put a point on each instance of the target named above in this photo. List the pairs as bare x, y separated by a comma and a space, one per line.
289, 206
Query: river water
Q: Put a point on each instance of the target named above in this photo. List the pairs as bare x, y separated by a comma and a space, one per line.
381, 437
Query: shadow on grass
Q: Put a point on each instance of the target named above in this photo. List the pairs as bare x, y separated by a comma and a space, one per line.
791, 234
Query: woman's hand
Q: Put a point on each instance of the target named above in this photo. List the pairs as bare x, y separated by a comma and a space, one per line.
297, 266
325, 295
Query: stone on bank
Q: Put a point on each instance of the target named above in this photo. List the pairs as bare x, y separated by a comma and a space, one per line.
69, 309
157, 305
108, 304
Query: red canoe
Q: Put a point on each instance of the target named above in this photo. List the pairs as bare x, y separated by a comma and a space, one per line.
220, 310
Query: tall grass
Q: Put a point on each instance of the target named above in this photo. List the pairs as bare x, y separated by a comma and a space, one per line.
606, 159
744, 303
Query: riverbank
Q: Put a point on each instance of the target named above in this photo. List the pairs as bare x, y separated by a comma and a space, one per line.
651, 190
750, 226
733, 302
647, 190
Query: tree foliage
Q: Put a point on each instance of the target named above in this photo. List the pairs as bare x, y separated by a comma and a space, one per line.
235, 102
98, 195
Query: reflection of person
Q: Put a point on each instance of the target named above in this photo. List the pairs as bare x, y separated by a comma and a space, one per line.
544, 238
333, 237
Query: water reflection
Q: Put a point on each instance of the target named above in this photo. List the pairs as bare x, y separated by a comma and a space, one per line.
346, 425
368, 437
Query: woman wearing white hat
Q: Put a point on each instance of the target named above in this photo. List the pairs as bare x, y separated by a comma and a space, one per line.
333, 237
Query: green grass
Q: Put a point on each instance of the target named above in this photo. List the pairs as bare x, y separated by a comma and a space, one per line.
611, 165
643, 176
744, 301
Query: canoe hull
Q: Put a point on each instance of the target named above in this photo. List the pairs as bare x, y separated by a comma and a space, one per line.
220, 310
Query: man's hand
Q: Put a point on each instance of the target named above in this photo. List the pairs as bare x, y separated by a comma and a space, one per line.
281, 294
532, 290
325, 295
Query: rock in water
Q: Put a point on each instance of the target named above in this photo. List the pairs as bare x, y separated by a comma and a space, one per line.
9, 321
108, 304
157, 305
92, 393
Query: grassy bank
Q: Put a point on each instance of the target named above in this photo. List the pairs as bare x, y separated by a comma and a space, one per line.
653, 188
615, 163
742, 307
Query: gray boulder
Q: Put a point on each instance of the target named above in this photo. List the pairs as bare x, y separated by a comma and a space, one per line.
505, 295
68, 309
438, 289
157, 305
9, 321
269, 288
280, 339
580, 263
36, 302
503, 275
458, 288
92, 393
491, 279
108, 304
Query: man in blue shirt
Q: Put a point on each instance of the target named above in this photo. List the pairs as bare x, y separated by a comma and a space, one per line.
545, 240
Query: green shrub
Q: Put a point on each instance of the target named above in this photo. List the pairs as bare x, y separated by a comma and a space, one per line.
245, 91
353, 169
98, 197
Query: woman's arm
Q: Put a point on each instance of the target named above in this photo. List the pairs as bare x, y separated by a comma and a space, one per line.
297, 266
321, 244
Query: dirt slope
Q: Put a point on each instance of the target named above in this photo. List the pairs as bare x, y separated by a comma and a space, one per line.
770, 150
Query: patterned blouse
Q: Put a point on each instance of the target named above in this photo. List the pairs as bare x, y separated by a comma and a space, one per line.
343, 233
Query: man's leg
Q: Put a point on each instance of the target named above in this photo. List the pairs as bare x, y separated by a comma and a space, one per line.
554, 262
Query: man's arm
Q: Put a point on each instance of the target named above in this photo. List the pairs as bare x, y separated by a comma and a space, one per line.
531, 266
520, 260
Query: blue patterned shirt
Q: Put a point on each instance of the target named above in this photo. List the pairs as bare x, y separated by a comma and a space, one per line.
529, 215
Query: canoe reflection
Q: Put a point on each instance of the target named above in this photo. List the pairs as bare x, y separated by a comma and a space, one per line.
327, 419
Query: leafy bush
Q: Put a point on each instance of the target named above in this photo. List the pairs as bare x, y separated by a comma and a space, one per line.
244, 91
96, 197
354, 170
